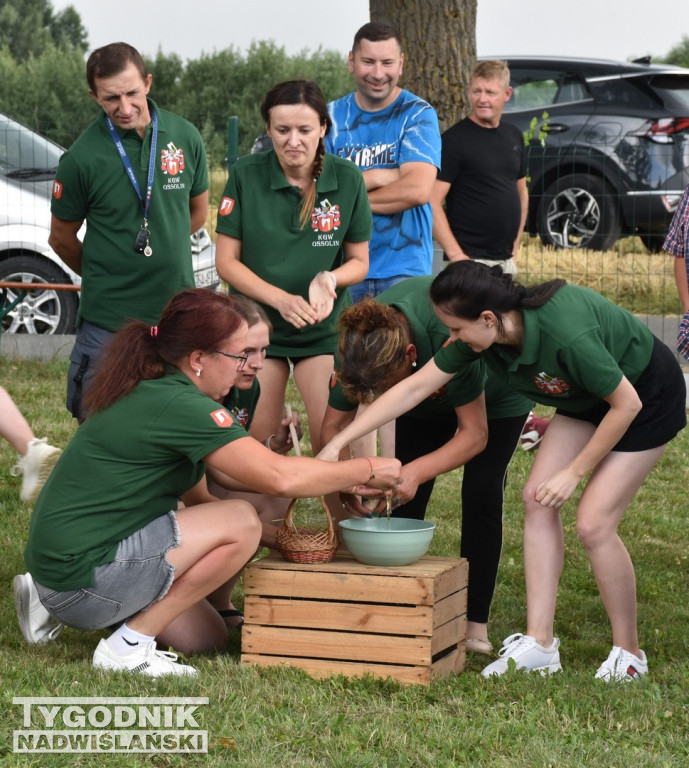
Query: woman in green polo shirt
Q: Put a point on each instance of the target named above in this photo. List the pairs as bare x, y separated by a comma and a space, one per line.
387, 340
620, 398
107, 543
293, 230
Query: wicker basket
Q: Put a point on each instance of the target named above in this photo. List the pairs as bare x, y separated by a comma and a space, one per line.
307, 544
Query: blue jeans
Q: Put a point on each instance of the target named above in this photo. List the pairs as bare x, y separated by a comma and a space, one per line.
372, 287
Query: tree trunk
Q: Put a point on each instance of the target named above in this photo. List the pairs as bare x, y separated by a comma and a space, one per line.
439, 43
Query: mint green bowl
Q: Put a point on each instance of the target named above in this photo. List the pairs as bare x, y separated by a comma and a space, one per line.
378, 541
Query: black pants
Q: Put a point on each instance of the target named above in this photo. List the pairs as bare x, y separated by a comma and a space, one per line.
483, 487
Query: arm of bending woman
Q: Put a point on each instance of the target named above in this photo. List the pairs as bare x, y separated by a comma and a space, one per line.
391, 404
624, 405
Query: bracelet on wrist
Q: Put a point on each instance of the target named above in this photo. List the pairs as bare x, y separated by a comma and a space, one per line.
267, 443
333, 277
373, 474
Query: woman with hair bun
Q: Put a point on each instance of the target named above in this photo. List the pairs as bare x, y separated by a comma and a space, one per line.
293, 230
387, 341
107, 542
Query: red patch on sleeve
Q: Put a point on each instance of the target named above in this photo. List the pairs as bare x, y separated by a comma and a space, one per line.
333, 379
222, 418
226, 206
57, 190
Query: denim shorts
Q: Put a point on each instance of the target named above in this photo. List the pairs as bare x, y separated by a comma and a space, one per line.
138, 577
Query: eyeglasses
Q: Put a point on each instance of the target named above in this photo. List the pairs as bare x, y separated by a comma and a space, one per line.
242, 358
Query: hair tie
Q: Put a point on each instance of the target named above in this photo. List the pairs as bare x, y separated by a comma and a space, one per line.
154, 331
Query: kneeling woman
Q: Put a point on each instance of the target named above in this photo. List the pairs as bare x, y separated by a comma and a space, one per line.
107, 544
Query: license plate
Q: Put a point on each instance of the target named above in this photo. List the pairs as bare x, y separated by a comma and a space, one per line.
205, 277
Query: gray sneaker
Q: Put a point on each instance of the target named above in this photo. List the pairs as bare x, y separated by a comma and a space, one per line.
35, 468
36, 624
527, 654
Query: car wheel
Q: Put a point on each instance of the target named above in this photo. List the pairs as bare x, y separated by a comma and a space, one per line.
578, 211
40, 311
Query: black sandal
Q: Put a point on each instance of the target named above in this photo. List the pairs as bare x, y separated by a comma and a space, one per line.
231, 613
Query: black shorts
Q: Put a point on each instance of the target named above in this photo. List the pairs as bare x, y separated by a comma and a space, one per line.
663, 395
294, 359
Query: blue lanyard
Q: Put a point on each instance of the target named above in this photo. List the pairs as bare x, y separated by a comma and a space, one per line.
145, 205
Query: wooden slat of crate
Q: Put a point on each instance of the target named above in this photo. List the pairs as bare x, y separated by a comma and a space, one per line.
284, 642
425, 582
360, 617
453, 663
388, 619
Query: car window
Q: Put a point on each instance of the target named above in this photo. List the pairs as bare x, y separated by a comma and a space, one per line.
673, 91
22, 149
623, 92
537, 89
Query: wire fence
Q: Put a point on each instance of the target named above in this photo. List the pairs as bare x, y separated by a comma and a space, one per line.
598, 214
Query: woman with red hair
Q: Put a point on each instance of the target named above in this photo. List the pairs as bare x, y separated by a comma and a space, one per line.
107, 543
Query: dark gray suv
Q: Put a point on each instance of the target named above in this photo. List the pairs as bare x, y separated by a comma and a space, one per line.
615, 158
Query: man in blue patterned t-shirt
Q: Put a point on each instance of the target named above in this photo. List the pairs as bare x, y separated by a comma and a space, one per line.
393, 136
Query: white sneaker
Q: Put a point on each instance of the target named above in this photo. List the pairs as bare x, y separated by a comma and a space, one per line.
36, 624
146, 660
622, 666
35, 467
527, 654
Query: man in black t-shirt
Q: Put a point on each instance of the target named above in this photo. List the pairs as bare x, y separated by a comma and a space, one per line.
482, 181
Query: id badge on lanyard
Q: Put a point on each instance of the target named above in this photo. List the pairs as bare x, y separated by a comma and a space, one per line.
142, 242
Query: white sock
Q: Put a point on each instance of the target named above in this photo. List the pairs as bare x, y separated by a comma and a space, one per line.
125, 640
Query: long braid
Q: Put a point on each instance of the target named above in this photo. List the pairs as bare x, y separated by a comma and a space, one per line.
310, 196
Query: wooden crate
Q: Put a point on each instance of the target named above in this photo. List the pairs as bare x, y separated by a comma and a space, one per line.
348, 618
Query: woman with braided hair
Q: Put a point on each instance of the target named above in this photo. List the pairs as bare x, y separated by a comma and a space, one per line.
293, 230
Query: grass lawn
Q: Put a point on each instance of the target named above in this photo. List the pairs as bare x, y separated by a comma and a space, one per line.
280, 717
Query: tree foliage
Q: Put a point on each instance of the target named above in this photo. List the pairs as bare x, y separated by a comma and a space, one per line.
439, 40
29, 27
679, 54
227, 83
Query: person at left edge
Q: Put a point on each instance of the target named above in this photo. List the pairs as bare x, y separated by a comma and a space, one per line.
94, 184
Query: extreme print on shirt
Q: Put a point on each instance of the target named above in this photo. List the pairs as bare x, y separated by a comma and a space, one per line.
405, 132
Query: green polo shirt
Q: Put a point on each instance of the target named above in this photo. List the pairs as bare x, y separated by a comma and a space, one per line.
577, 347
125, 466
118, 283
411, 298
241, 403
261, 208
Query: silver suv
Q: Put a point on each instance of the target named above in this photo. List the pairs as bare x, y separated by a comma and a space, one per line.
28, 163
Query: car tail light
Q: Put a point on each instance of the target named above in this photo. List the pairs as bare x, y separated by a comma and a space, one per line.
662, 130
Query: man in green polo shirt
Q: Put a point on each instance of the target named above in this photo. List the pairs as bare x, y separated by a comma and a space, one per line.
138, 176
